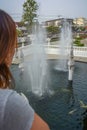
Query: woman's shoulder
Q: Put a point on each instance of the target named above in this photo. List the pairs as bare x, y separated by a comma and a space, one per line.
5, 93
11, 98
17, 106
10, 92
12, 95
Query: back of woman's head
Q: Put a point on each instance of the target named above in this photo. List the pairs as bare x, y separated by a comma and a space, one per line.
7, 47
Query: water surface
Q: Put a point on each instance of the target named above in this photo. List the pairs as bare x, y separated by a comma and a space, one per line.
65, 108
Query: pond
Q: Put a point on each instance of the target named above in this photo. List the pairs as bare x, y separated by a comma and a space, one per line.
66, 107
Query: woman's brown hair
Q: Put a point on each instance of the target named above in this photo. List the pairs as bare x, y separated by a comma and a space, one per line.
8, 40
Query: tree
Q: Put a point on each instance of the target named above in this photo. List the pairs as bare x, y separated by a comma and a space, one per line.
19, 33
52, 30
30, 8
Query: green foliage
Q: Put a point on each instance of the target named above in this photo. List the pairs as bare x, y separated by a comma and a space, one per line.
77, 42
30, 8
52, 29
78, 38
82, 28
19, 33
21, 23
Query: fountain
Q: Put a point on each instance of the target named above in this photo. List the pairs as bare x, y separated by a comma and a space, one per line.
65, 61
35, 66
64, 46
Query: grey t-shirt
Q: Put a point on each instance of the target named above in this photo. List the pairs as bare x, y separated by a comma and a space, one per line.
15, 111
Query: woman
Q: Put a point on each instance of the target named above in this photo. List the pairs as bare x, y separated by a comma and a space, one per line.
15, 111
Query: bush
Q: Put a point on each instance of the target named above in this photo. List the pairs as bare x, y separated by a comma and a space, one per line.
78, 43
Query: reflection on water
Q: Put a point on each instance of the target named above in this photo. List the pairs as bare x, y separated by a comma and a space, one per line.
66, 107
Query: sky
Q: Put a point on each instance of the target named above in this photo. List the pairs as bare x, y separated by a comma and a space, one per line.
48, 9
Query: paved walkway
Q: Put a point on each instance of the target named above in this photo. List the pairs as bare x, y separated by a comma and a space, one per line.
81, 59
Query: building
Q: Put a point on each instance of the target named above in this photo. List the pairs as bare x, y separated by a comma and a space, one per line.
57, 22
80, 22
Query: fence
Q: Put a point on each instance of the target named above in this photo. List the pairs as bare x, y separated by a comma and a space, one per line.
54, 49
